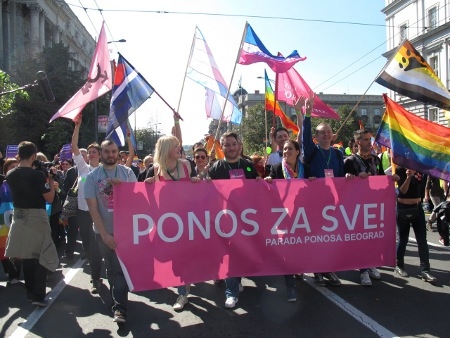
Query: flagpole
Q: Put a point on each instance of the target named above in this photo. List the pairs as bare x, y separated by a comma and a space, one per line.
232, 76
353, 109
187, 66
275, 100
385, 66
265, 122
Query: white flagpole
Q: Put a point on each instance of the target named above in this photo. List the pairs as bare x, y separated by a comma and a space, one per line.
187, 66
231, 81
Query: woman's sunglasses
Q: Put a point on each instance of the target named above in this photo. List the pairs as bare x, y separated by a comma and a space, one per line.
200, 156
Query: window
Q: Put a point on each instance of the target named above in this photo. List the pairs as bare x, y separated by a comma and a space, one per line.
434, 63
432, 18
377, 112
363, 112
433, 114
403, 32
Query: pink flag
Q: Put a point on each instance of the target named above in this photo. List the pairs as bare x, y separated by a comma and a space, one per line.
291, 86
99, 81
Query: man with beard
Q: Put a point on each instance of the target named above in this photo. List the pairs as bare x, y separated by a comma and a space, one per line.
364, 164
233, 166
98, 192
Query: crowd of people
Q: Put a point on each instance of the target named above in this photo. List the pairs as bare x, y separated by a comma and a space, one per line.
39, 225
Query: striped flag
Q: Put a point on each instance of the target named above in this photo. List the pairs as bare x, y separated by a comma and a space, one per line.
270, 99
253, 50
409, 74
415, 142
203, 69
130, 91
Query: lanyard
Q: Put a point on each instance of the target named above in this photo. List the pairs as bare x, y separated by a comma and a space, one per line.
115, 174
178, 174
329, 157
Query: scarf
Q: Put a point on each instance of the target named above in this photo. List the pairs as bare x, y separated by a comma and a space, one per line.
288, 173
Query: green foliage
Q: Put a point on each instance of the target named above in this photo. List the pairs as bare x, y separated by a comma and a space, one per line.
149, 136
253, 129
7, 100
30, 115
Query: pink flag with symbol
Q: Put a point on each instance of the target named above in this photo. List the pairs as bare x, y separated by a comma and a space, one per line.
99, 81
291, 86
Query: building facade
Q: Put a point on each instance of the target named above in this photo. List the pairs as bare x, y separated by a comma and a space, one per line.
27, 26
370, 108
426, 24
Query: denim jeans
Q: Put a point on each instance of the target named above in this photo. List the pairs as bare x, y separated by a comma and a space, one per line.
419, 227
289, 281
232, 286
90, 246
116, 279
182, 290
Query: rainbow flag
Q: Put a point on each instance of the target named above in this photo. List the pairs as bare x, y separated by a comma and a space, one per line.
409, 74
270, 99
6, 211
415, 142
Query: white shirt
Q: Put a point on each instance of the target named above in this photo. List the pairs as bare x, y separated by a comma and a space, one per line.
83, 170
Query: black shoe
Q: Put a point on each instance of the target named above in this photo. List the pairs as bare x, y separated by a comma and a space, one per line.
67, 258
40, 303
318, 280
96, 286
427, 277
298, 276
219, 282
332, 278
119, 317
401, 272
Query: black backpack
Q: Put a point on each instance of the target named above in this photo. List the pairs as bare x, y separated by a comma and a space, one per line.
443, 220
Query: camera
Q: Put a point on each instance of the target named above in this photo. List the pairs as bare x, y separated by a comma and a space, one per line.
44, 167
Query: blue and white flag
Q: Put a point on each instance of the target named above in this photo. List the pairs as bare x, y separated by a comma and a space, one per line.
130, 91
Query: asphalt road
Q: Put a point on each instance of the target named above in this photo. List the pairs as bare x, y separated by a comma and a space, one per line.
392, 307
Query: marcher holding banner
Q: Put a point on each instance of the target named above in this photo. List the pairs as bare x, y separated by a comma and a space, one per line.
364, 164
232, 167
290, 167
98, 191
321, 160
169, 166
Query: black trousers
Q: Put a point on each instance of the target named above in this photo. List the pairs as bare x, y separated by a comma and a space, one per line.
35, 279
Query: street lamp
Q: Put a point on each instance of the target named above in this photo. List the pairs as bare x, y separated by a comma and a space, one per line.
121, 40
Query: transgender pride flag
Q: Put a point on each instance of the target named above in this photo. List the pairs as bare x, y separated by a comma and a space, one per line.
253, 51
130, 91
202, 68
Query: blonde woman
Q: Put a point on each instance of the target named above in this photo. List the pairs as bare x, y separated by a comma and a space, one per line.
169, 166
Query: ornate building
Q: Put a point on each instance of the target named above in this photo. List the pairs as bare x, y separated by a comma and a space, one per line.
426, 24
27, 26
370, 109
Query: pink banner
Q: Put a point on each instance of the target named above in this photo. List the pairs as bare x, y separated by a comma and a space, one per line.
170, 233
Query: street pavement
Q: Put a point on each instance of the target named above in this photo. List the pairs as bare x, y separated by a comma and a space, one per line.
392, 307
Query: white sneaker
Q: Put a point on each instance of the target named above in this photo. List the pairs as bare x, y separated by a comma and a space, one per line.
374, 273
365, 279
241, 287
182, 300
231, 302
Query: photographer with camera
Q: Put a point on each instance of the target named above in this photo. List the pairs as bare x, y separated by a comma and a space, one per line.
29, 238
